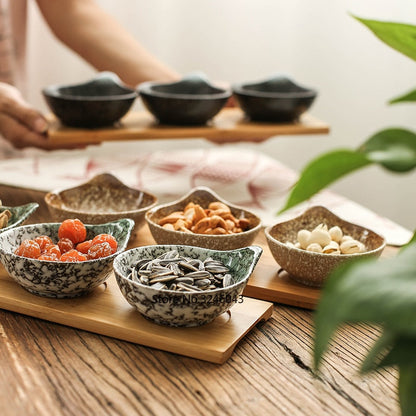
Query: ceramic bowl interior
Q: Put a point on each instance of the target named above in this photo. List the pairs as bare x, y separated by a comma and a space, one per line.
168, 307
276, 99
192, 100
102, 199
60, 279
97, 103
312, 268
202, 196
19, 214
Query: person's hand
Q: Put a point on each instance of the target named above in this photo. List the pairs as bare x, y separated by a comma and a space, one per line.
20, 124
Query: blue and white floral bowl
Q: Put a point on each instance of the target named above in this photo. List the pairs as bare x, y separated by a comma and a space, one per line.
19, 214
185, 309
56, 279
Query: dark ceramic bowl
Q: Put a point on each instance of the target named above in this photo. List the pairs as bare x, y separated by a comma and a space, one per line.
102, 199
96, 103
193, 100
277, 99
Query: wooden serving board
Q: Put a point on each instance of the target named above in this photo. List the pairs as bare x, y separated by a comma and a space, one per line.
229, 125
106, 312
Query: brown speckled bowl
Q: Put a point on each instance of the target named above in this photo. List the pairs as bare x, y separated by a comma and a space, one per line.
102, 199
202, 196
312, 268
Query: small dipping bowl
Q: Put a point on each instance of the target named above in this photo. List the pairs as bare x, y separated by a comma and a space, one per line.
185, 309
311, 268
276, 99
102, 199
56, 279
19, 214
99, 102
190, 101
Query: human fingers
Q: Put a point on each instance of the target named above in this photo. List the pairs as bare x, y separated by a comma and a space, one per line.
13, 105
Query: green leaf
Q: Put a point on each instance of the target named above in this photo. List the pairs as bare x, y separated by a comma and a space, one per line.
399, 36
401, 353
407, 389
379, 350
381, 292
394, 149
408, 97
322, 171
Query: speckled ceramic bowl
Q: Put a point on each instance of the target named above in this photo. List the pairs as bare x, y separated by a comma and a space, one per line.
312, 268
19, 214
202, 196
102, 199
168, 307
60, 279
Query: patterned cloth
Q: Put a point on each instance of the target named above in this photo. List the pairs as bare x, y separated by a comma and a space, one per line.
242, 177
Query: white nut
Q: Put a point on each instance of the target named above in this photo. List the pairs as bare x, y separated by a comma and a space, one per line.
352, 246
346, 238
303, 238
314, 247
336, 233
331, 248
297, 245
320, 236
290, 244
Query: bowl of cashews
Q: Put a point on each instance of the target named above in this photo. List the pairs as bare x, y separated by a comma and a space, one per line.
311, 245
201, 218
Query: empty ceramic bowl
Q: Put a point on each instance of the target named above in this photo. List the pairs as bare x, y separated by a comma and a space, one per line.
57, 279
192, 100
202, 196
102, 199
19, 214
99, 102
276, 99
312, 268
173, 308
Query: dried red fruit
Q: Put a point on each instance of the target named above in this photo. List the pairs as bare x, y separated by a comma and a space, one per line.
73, 229
53, 249
43, 241
49, 257
99, 250
73, 256
65, 244
106, 238
84, 246
28, 248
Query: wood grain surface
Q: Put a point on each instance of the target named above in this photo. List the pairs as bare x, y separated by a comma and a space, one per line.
51, 369
229, 125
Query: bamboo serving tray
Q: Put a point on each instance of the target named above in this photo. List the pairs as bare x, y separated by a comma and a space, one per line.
229, 125
106, 312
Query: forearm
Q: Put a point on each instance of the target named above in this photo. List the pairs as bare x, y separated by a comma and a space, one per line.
99, 39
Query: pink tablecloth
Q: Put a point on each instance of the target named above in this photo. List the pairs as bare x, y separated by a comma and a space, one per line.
242, 177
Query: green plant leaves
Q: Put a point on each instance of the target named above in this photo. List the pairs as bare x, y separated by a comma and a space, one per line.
322, 171
382, 292
408, 97
394, 149
399, 36
407, 389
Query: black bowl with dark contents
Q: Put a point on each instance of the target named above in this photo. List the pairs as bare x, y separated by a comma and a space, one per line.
191, 101
276, 99
99, 102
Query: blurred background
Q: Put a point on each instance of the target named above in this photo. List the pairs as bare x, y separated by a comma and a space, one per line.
318, 43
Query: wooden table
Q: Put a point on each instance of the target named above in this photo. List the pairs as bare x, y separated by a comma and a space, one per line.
50, 369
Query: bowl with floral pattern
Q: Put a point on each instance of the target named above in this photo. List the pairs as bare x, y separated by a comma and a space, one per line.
164, 300
15, 216
57, 279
